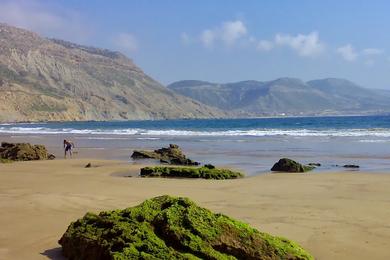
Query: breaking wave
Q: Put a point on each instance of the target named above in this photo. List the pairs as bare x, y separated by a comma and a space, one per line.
373, 132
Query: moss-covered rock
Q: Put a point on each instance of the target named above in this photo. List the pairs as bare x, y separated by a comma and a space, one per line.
190, 172
171, 155
24, 152
171, 228
288, 165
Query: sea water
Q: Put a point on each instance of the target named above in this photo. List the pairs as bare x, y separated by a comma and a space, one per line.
251, 145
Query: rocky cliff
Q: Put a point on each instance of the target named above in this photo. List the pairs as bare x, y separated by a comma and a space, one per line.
45, 79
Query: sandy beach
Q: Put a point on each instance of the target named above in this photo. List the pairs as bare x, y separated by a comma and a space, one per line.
332, 215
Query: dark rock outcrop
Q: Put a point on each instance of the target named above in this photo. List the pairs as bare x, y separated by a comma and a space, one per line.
171, 228
351, 166
24, 152
288, 165
171, 155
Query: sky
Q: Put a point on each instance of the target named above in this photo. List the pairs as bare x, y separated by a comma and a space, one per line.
223, 40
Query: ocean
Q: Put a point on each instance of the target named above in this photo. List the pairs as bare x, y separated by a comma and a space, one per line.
250, 145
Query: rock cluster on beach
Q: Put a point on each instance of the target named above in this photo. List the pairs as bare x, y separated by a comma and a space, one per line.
206, 172
24, 152
171, 228
171, 155
288, 165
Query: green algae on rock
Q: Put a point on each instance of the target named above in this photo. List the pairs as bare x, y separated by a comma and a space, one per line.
24, 152
190, 172
171, 228
288, 165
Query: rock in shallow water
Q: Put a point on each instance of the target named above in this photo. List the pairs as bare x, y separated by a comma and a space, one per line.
288, 165
171, 155
171, 228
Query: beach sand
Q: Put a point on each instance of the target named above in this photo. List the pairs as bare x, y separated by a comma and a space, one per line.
332, 215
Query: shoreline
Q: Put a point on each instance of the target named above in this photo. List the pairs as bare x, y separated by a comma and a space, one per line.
200, 118
333, 215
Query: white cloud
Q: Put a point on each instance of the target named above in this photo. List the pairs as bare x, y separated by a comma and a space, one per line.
305, 45
126, 42
207, 38
372, 51
46, 18
232, 31
264, 45
348, 52
228, 33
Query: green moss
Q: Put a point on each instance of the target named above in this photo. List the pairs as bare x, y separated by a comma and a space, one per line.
190, 172
171, 228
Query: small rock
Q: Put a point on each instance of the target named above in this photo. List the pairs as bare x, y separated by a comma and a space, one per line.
209, 166
351, 166
314, 164
89, 165
288, 165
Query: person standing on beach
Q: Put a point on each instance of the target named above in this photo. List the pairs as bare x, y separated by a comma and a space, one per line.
68, 146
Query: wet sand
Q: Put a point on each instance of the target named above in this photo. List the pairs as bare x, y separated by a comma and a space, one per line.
333, 215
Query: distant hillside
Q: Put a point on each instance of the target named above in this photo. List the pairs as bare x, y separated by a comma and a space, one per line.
287, 96
46, 79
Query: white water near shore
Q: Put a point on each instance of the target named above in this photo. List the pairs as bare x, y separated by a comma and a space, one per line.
373, 132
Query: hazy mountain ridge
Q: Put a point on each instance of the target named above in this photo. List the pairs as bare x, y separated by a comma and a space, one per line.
287, 96
48, 79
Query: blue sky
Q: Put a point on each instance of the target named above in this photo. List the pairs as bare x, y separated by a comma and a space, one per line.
225, 41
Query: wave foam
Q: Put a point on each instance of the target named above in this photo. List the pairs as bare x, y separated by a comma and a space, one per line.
383, 133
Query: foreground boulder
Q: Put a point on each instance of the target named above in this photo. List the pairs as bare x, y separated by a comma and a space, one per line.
170, 155
288, 165
171, 228
205, 172
24, 152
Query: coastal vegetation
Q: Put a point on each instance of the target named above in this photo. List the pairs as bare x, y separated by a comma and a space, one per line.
171, 228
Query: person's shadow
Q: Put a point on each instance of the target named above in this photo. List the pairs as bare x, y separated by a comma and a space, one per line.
54, 253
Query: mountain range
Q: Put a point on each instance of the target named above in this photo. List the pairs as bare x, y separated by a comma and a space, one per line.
45, 79
287, 96
53, 80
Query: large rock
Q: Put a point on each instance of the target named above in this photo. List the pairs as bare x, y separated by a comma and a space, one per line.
171, 155
171, 228
288, 165
24, 152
